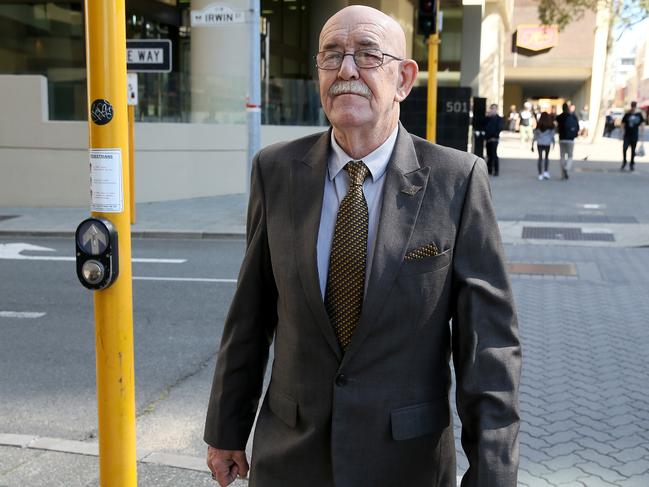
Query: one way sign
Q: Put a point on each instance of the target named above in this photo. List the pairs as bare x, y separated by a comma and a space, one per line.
148, 55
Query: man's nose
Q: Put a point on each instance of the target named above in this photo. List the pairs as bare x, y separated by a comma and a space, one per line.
348, 68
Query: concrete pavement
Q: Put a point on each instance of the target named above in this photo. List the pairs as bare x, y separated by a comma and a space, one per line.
584, 391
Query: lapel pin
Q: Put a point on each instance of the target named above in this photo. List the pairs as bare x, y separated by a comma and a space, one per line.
411, 190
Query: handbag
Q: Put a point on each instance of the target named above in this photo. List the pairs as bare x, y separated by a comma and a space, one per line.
640, 150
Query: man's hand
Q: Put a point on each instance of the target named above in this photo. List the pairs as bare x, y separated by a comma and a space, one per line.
226, 465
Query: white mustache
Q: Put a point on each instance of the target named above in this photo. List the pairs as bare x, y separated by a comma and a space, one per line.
354, 87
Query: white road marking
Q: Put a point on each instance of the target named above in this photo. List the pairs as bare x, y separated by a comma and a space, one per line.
184, 279
13, 251
21, 314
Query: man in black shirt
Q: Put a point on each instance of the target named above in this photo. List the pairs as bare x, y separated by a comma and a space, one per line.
492, 135
631, 123
568, 128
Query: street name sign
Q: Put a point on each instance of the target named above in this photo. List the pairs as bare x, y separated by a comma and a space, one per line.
148, 55
216, 15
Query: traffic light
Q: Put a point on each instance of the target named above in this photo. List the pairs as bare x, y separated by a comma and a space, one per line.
427, 17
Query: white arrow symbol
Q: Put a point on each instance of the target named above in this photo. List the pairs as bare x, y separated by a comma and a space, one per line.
13, 251
94, 236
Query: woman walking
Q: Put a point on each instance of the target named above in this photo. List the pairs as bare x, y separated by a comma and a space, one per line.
544, 138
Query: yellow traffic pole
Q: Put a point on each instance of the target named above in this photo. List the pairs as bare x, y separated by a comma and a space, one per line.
131, 159
431, 112
106, 67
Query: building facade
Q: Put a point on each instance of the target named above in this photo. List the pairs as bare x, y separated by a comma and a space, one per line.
632, 78
190, 121
547, 66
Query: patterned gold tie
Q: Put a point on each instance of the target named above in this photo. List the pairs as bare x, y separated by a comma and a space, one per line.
346, 278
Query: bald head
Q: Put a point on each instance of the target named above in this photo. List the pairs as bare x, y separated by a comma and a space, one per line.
362, 17
363, 75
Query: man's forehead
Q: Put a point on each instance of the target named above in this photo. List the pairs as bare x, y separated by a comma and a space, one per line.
364, 32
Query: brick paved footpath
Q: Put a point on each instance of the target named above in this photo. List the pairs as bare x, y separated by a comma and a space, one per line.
585, 382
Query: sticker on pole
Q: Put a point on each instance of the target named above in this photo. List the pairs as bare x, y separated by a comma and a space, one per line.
106, 190
101, 111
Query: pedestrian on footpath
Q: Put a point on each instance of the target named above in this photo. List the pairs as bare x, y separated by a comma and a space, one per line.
492, 135
609, 124
513, 119
544, 138
584, 121
526, 124
632, 127
568, 128
345, 229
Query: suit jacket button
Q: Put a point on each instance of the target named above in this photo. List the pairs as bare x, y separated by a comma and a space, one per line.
341, 380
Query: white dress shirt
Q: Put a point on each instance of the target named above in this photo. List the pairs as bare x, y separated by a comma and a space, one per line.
335, 189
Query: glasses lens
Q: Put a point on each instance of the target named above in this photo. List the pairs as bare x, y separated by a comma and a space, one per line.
329, 59
368, 58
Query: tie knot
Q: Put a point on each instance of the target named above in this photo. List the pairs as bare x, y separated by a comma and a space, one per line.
357, 171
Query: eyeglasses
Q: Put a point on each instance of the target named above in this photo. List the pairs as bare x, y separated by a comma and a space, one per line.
364, 59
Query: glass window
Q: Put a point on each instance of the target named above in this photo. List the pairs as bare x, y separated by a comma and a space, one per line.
289, 94
450, 47
47, 38
163, 97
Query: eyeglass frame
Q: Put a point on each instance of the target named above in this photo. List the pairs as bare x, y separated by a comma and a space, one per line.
353, 55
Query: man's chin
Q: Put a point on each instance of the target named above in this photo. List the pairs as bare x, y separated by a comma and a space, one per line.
349, 105
348, 120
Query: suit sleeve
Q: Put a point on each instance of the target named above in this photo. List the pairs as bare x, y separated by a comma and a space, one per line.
247, 335
486, 347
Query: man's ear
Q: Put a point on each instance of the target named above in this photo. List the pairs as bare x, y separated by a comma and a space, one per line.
407, 75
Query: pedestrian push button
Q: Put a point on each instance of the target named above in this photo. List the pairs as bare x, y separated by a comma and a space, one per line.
96, 251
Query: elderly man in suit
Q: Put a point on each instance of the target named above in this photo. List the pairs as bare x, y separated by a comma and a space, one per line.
372, 257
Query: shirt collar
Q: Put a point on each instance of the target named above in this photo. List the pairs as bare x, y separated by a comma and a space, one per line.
376, 161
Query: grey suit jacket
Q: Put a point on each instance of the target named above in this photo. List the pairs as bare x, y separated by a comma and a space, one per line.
377, 415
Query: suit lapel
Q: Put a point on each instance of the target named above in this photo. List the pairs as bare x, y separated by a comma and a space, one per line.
403, 192
307, 189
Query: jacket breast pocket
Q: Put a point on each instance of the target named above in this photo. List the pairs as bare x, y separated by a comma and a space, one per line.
283, 407
426, 264
420, 419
